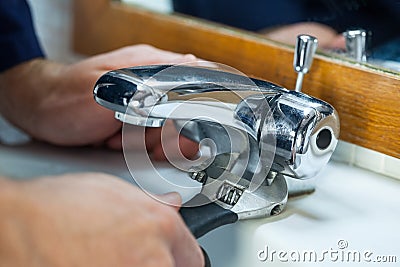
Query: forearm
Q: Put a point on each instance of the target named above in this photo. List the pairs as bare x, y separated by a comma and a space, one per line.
52, 103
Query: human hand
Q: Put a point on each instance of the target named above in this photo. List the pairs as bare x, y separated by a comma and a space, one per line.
54, 102
92, 220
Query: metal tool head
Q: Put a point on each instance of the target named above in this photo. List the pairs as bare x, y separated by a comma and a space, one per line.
237, 194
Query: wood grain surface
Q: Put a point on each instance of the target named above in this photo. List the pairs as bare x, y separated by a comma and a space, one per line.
367, 99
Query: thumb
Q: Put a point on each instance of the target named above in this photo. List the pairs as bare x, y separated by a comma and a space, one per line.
172, 199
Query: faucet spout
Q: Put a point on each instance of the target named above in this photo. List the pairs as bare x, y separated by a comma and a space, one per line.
273, 128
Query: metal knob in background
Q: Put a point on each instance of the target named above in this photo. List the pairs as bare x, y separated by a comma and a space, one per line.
356, 43
306, 46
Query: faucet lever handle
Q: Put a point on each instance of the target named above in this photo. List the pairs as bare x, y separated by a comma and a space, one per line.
306, 46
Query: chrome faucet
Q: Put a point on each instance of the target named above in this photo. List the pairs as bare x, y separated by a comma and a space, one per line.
207, 103
264, 136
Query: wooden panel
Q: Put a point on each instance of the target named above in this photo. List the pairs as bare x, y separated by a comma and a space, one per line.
367, 100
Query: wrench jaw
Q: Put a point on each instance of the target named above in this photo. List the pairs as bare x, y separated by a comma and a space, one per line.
238, 195
265, 201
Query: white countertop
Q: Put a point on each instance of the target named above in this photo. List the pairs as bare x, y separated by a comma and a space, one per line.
356, 208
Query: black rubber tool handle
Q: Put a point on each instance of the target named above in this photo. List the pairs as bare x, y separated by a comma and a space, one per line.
203, 219
207, 262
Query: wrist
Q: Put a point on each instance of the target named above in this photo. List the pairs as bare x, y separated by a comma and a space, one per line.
25, 91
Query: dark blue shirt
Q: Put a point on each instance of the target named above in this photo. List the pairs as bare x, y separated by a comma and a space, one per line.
18, 41
381, 17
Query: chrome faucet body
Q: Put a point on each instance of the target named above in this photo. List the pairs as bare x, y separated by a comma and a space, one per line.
207, 103
266, 139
